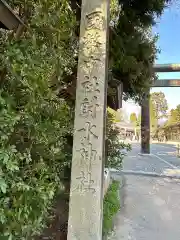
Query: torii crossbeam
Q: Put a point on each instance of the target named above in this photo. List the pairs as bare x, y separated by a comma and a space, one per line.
145, 118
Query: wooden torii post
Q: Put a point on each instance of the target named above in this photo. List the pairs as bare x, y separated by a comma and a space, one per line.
145, 125
145, 118
86, 194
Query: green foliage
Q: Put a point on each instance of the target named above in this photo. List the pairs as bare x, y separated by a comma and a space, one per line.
133, 118
160, 105
111, 207
119, 116
116, 115
112, 113
115, 150
153, 115
132, 58
170, 129
132, 46
178, 113
174, 116
114, 11
33, 120
143, 12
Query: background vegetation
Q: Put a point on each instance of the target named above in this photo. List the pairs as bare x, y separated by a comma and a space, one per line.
111, 206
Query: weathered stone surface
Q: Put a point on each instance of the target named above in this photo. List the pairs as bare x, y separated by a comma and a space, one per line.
86, 195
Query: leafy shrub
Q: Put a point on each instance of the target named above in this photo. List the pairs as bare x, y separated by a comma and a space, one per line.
33, 120
111, 207
31, 162
115, 149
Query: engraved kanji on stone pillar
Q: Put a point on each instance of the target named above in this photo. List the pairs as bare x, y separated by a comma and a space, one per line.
86, 195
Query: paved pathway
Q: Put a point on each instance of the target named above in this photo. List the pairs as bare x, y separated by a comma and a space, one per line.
151, 209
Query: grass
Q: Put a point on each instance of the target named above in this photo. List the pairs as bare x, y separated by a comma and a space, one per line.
111, 207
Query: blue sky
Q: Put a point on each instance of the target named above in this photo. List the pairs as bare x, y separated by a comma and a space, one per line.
168, 30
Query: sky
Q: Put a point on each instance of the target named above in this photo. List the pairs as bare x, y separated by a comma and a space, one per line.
168, 30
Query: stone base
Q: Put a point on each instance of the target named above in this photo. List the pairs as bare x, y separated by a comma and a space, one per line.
144, 154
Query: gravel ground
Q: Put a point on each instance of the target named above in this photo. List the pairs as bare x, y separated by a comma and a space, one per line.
151, 208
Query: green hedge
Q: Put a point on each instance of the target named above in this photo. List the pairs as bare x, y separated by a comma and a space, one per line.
111, 207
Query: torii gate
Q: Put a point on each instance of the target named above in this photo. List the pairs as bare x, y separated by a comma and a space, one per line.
145, 118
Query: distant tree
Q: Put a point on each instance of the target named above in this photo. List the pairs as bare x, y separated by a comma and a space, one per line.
133, 118
116, 116
153, 115
178, 113
138, 122
160, 104
153, 118
174, 116
119, 116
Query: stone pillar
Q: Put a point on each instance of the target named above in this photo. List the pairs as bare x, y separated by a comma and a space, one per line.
145, 125
87, 174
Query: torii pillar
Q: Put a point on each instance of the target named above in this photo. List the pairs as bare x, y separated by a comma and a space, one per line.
87, 174
145, 125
